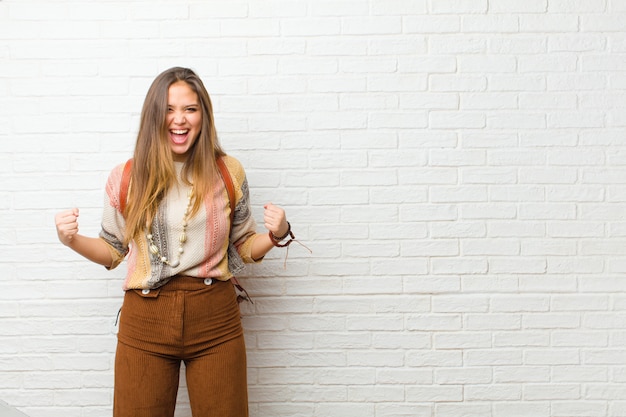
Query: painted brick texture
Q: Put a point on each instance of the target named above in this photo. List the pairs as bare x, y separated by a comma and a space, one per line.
458, 168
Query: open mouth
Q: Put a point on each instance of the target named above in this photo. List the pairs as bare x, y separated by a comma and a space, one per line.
179, 136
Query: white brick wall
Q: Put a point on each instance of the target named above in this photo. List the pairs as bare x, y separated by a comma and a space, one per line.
458, 168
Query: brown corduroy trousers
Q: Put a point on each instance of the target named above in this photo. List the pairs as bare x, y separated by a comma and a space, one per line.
188, 320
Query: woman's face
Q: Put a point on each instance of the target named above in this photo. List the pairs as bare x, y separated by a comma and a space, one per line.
184, 119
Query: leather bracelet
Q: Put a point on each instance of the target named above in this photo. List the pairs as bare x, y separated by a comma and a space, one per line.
276, 242
278, 239
282, 245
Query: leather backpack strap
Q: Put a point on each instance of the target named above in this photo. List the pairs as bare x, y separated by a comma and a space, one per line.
230, 189
124, 184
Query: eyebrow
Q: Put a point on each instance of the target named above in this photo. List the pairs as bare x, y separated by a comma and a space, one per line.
186, 105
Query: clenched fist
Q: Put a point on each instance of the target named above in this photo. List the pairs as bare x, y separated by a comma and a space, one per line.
275, 220
67, 225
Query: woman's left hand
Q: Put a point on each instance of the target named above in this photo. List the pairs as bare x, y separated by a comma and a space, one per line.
275, 220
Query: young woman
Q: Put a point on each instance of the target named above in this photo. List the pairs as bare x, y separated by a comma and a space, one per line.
174, 225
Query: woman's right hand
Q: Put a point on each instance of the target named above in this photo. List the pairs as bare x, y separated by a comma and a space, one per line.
67, 225
92, 248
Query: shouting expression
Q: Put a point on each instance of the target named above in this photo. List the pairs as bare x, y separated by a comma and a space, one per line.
184, 119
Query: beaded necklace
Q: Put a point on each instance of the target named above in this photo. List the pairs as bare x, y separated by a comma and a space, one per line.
182, 239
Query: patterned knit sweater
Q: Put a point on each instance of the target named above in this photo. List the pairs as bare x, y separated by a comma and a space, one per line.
208, 252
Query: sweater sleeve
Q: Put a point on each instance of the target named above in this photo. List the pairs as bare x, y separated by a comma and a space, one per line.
113, 223
244, 226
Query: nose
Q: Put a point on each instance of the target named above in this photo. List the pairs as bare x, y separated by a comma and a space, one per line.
179, 118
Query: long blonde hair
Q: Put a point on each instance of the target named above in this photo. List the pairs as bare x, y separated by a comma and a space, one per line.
153, 172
